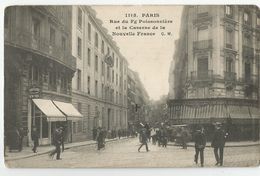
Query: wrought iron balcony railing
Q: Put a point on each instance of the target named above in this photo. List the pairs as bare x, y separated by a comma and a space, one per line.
202, 75
203, 44
24, 38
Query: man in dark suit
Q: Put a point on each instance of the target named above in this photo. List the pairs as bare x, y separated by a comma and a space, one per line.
143, 140
57, 141
218, 143
200, 143
35, 138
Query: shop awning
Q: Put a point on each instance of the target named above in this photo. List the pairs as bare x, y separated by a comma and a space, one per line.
49, 109
69, 110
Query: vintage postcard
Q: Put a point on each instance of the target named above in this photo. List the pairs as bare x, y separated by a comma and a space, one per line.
131, 86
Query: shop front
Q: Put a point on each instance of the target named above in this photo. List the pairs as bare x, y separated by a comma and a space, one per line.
46, 115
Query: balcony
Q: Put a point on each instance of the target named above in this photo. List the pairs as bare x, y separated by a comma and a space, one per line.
248, 51
230, 76
25, 39
203, 44
202, 76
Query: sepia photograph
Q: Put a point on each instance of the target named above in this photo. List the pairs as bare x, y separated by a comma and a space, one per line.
131, 86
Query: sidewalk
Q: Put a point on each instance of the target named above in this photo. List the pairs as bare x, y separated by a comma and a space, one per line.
27, 151
228, 144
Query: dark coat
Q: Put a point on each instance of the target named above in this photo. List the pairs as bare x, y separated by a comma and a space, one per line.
35, 135
219, 138
199, 139
57, 137
143, 137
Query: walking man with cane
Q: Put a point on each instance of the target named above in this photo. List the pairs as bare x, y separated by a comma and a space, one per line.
57, 141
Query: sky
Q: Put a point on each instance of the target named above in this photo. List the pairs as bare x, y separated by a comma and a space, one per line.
150, 56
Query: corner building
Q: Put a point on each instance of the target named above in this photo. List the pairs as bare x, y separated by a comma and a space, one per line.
38, 70
99, 86
215, 70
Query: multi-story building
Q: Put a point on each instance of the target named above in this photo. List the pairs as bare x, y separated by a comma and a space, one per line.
38, 70
215, 73
138, 99
99, 85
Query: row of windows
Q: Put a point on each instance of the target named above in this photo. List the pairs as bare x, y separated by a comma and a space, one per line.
96, 87
96, 42
247, 16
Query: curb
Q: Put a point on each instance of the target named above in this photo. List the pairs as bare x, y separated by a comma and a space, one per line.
65, 148
208, 146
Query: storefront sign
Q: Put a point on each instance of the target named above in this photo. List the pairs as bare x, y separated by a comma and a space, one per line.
34, 92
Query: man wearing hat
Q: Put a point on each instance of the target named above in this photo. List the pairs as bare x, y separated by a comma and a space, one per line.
200, 143
57, 141
218, 143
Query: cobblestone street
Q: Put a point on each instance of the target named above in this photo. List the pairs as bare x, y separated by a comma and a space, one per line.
124, 154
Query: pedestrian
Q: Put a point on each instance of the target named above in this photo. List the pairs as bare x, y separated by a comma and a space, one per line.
57, 141
22, 133
94, 133
218, 143
62, 138
143, 135
164, 139
35, 139
184, 138
200, 143
100, 139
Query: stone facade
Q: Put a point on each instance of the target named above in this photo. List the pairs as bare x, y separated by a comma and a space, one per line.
100, 82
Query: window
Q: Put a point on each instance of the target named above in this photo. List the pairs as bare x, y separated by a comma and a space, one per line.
79, 18
52, 36
247, 71
63, 44
64, 83
203, 33
103, 68
108, 50
116, 97
112, 76
125, 84
36, 27
108, 73
228, 10
79, 79
96, 40
52, 80
202, 68
89, 56
102, 91
79, 107
229, 39
89, 31
116, 62
35, 74
116, 79
96, 88
89, 85
247, 40
79, 47
258, 43
96, 63
247, 18
229, 65
103, 47
7, 15
258, 21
